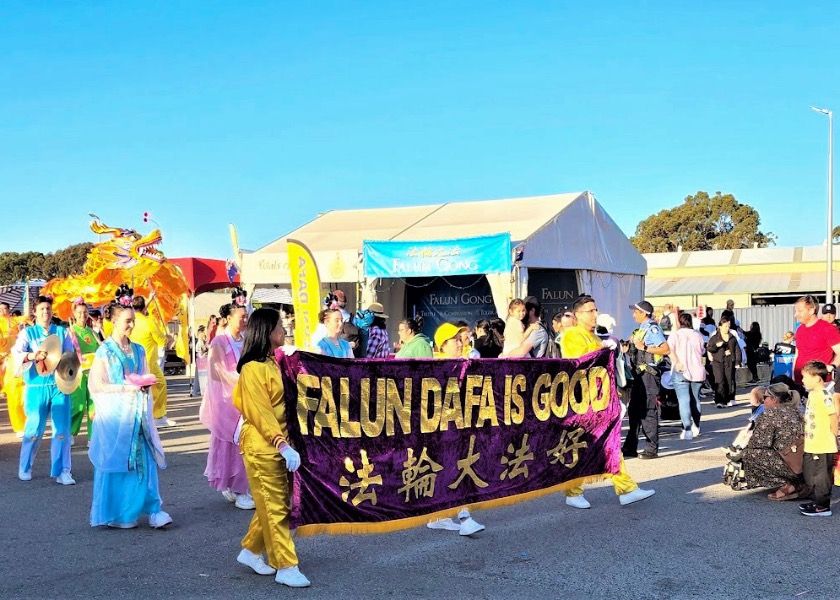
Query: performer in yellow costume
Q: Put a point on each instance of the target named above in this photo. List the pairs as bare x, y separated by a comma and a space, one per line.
268, 457
577, 341
150, 334
12, 386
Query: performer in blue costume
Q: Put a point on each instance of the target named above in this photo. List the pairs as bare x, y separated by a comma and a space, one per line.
125, 448
41, 396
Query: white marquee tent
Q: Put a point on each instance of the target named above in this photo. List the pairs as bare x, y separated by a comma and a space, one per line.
562, 231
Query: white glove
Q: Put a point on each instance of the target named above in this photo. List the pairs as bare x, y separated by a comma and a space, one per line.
292, 458
608, 343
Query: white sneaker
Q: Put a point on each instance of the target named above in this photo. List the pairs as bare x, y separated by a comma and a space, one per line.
577, 502
695, 430
469, 526
245, 502
635, 496
159, 519
164, 422
291, 577
686, 434
255, 561
731, 403
24, 475
228, 495
65, 478
447, 524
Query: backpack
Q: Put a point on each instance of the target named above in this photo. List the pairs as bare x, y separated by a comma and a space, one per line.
351, 332
551, 349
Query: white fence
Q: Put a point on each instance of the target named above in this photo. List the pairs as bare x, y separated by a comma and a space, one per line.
773, 320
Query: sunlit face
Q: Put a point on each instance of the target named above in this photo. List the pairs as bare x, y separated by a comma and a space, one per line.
333, 323
452, 348
278, 336
123, 323
587, 315
802, 312
80, 314
639, 316
811, 382
724, 327
828, 317
43, 314
237, 320
518, 312
4, 310
404, 333
465, 336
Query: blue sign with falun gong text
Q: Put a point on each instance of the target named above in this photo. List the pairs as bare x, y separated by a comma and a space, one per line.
438, 258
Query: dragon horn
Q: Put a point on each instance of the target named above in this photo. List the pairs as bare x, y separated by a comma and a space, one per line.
99, 228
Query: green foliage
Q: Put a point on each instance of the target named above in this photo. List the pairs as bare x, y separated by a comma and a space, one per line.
835, 234
702, 222
19, 266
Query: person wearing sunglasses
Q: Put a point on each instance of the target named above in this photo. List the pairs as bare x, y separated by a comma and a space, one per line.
774, 428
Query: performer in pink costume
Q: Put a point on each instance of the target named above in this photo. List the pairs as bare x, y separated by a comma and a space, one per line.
225, 470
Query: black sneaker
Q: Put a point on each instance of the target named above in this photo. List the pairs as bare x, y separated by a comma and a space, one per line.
817, 511
646, 454
627, 454
806, 506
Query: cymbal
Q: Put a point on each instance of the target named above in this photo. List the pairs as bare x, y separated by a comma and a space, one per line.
68, 373
52, 346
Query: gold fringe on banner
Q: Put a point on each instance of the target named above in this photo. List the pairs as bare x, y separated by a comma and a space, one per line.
419, 521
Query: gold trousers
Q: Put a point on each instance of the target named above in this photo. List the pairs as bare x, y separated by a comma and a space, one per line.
13, 388
158, 391
622, 483
269, 481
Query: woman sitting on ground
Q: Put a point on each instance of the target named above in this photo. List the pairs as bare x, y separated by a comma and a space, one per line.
778, 428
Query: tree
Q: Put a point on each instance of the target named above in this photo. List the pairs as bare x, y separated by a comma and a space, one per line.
702, 222
835, 234
65, 262
19, 266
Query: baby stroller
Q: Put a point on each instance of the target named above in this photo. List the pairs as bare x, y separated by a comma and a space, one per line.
669, 406
733, 471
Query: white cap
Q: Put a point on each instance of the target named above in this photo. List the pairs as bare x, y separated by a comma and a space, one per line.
606, 321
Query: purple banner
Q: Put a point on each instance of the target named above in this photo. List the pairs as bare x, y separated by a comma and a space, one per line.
387, 443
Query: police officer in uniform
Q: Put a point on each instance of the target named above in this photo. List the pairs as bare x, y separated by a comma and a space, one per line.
647, 349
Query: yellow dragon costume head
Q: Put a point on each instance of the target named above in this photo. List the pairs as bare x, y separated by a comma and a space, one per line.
127, 257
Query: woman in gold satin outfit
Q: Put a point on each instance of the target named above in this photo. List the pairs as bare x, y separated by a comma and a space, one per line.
268, 457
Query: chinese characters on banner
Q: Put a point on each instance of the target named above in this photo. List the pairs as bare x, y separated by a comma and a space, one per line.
386, 443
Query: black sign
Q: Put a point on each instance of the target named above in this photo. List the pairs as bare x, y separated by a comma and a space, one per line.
556, 289
448, 299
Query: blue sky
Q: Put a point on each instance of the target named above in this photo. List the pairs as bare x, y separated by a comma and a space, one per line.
266, 113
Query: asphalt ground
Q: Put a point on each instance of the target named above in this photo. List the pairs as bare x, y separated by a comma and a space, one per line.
696, 538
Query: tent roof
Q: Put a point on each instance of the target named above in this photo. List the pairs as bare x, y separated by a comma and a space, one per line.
204, 274
13, 294
569, 231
